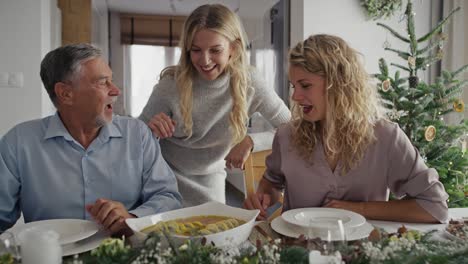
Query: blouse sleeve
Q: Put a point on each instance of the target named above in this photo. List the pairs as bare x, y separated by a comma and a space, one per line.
273, 171
408, 176
266, 102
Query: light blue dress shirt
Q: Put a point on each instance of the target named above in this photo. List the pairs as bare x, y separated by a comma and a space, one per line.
47, 174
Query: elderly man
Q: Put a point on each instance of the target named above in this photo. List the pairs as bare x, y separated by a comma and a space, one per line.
83, 162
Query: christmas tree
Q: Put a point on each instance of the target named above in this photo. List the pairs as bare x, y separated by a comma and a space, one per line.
420, 107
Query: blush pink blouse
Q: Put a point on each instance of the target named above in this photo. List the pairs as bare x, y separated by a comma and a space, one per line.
391, 164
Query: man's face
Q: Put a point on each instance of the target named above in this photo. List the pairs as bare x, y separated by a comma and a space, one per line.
94, 93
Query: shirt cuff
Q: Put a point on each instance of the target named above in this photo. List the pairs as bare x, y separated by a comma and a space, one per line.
438, 210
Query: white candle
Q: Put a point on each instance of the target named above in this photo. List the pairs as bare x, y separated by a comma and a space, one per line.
40, 247
315, 257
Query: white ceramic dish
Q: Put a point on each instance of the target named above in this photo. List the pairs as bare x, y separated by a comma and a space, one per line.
84, 245
70, 230
228, 238
284, 228
323, 218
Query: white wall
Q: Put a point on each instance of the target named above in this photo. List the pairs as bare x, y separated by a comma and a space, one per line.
347, 19
26, 37
100, 29
51, 21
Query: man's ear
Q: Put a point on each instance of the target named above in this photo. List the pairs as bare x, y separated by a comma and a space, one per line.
64, 93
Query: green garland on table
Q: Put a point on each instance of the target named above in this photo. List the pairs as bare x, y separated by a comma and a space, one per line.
386, 248
7, 259
403, 247
380, 8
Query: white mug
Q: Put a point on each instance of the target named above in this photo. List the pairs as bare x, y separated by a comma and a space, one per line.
40, 246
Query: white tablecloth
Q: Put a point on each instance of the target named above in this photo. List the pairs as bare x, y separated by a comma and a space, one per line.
455, 213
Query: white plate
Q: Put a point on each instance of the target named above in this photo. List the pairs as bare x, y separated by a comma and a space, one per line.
284, 228
319, 217
70, 230
84, 245
228, 238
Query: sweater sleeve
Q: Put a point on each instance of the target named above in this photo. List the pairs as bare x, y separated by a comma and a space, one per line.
158, 102
270, 106
408, 176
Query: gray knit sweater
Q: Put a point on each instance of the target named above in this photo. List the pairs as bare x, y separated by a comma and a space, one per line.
198, 161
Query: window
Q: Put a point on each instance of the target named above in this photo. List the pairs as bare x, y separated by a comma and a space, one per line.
147, 62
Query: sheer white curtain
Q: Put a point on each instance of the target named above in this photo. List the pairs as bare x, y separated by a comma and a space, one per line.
146, 63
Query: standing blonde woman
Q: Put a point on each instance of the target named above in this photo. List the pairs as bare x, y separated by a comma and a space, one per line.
200, 107
338, 151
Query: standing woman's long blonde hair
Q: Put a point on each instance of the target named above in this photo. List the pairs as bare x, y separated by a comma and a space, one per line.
221, 20
352, 103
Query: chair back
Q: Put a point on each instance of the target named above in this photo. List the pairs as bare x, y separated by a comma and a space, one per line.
254, 169
253, 172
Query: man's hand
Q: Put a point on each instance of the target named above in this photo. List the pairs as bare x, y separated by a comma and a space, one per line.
111, 215
239, 154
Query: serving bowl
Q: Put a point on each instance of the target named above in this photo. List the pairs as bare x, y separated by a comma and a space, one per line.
228, 238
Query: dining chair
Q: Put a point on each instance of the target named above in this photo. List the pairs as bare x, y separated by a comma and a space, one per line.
253, 173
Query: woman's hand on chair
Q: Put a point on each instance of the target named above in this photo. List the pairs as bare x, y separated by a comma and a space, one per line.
259, 201
162, 125
239, 154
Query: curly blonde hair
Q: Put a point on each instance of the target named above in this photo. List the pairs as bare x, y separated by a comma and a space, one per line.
221, 20
352, 103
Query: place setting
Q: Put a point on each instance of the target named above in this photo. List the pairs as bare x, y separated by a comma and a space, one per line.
327, 224
47, 240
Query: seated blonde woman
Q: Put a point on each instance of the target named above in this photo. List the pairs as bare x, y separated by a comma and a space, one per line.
339, 151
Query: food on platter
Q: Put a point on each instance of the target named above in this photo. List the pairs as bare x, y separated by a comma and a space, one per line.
195, 225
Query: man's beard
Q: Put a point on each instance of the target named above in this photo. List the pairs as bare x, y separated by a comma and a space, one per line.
101, 121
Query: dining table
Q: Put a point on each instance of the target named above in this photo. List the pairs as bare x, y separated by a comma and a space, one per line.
263, 231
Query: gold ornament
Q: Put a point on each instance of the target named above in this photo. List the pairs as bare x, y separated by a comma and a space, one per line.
386, 85
458, 105
412, 61
442, 36
430, 133
440, 54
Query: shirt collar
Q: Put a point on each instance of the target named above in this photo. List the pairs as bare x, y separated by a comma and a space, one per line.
56, 128
109, 130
